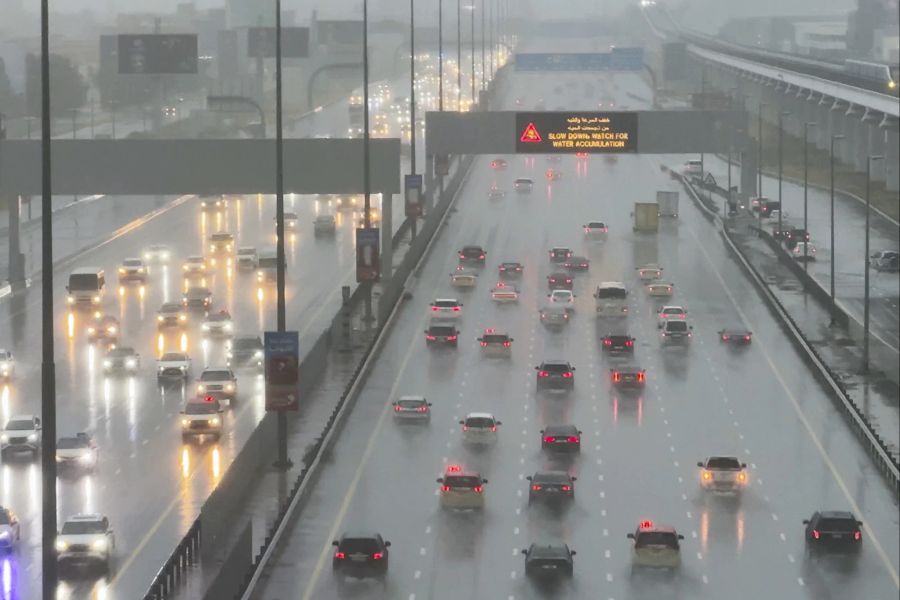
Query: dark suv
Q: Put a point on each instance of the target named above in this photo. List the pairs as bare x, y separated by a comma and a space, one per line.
442, 334
246, 351
559, 281
551, 486
361, 555
618, 343
555, 374
546, 561
831, 531
472, 254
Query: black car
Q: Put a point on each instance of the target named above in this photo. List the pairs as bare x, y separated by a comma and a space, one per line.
361, 555
555, 374
246, 351
628, 376
794, 235
551, 486
559, 281
472, 254
561, 438
831, 531
442, 334
548, 561
510, 269
618, 343
577, 263
736, 337
559, 254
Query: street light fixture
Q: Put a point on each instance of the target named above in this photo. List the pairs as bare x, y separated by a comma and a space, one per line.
806, 127
865, 359
834, 138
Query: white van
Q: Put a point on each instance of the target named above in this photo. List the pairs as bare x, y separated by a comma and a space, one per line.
267, 266
612, 299
86, 287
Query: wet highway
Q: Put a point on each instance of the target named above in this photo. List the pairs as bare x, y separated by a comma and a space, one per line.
638, 452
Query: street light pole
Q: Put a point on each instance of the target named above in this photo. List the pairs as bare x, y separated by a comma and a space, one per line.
781, 116
834, 138
806, 127
412, 101
865, 359
491, 24
458, 55
441, 55
472, 31
483, 70
283, 461
759, 167
48, 367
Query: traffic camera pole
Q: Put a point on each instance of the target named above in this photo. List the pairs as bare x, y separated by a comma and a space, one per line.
283, 461
48, 368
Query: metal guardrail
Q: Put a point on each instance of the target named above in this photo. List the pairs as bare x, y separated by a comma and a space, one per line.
878, 450
172, 572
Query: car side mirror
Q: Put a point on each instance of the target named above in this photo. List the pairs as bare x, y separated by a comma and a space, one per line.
484, 481
573, 368
462, 422
579, 432
700, 464
528, 477
180, 412
630, 536
479, 339
499, 422
806, 521
524, 551
743, 465
221, 410
572, 553
440, 480
536, 368
461, 304
574, 479
428, 403
680, 537
512, 339
690, 327
859, 523
387, 544
542, 431
335, 543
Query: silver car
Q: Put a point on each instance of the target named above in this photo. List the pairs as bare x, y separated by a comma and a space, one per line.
412, 409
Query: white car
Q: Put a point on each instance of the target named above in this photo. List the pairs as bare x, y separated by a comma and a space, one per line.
479, 428
503, 292
220, 384
247, 258
21, 434
201, 417
660, 289
7, 365
218, 324
462, 279
563, 298
121, 361
595, 229
650, 272
692, 167
194, 266
461, 490
10, 529
446, 308
495, 344
173, 366
723, 475
133, 269
324, 225
670, 312
86, 539
554, 316
804, 251
77, 452
157, 253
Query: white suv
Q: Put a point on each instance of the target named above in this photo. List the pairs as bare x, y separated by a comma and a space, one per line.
86, 539
21, 434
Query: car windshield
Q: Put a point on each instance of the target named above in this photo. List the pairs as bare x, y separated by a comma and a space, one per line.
247, 343
410, 403
120, 352
673, 311
221, 237
495, 338
268, 262
219, 317
172, 356
446, 303
170, 308
723, 462
20, 425
479, 422
441, 330
359, 546
215, 375
616, 293
83, 528
197, 291
555, 478
200, 408
676, 326
656, 538
246, 251
548, 554
555, 367
596, 225
837, 525
195, 260
618, 339
72, 443
472, 251
523, 182
83, 282
132, 262
462, 481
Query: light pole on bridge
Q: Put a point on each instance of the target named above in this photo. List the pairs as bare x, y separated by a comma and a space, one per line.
865, 358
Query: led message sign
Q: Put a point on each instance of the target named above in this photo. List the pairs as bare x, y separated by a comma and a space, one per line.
568, 132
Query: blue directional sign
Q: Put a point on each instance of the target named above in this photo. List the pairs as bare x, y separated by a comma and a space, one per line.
619, 59
413, 187
282, 362
368, 260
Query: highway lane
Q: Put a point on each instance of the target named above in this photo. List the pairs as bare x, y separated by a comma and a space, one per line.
638, 454
849, 248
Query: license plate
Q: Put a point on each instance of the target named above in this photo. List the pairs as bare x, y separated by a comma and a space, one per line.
548, 567
837, 536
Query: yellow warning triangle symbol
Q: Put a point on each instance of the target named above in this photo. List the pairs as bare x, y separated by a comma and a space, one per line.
530, 134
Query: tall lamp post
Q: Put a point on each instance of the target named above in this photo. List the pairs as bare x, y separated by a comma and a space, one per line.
472, 33
781, 116
48, 366
458, 55
412, 100
759, 166
834, 138
483, 69
441, 55
806, 127
865, 359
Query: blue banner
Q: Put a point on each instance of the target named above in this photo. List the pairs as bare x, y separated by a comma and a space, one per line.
619, 59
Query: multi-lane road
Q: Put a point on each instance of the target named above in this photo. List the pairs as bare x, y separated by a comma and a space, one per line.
638, 453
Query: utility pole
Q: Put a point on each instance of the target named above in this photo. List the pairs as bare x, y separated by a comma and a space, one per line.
441, 55
458, 55
834, 138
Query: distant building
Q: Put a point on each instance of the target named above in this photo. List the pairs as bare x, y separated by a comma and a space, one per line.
886, 44
820, 39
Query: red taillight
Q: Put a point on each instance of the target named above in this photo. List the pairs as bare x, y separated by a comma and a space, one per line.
430, 338
640, 377
340, 555
607, 342
454, 469
572, 439
502, 269
478, 489
746, 338
617, 376
445, 488
465, 427
462, 255
396, 409
507, 344
816, 534
725, 338
435, 308
587, 229
669, 289
422, 409
456, 309
629, 343
569, 280
567, 488
377, 556
549, 439
481, 256
484, 344
493, 428
535, 488
452, 338
543, 374
567, 374
857, 535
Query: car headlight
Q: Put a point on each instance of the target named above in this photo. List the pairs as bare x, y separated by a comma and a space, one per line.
229, 388
107, 363
159, 318
96, 299
214, 420
228, 326
85, 458
206, 327
91, 330
121, 270
200, 387
58, 458
99, 544
182, 317
32, 437
61, 546
258, 354
185, 422
131, 363
4, 535
70, 300
4, 438
111, 329
212, 247
146, 256
184, 267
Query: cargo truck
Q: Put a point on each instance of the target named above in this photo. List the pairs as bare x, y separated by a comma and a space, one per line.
646, 216
667, 203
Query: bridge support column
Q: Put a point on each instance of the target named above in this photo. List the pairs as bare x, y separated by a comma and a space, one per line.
857, 138
16, 258
838, 108
387, 241
811, 111
749, 164
428, 196
874, 142
889, 125
823, 116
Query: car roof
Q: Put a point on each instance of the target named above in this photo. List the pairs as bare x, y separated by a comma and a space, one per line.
609, 284
627, 369
22, 418
446, 300
671, 307
836, 514
121, 350
552, 476
549, 551
560, 429
555, 361
87, 271
657, 529
479, 415
356, 534
86, 517
411, 399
